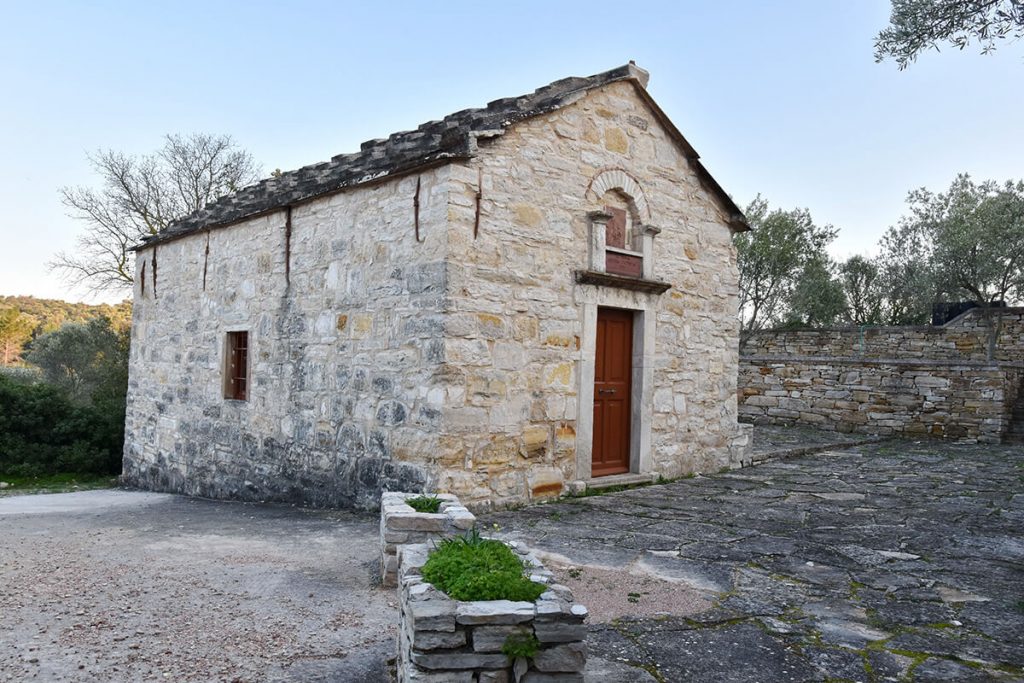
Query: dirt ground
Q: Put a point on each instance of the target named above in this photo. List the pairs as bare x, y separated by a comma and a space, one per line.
130, 586
900, 561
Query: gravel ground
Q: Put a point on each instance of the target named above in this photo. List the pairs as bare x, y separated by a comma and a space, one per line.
130, 586
611, 594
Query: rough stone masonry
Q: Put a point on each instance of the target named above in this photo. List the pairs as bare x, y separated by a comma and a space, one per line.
400, 524
441, 640
910, 381
421, 314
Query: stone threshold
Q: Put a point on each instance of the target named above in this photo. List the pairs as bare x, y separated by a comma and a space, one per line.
626, 479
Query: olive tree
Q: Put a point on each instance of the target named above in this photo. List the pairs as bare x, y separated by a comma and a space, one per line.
818, 299
968, 242
772, 258
907, 276
861, 282
916, 25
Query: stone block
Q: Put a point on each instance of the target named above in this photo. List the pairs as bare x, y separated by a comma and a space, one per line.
559, 632
462, 519
492, 638
494, 612
493, 677
432, 615
439, 640
420, 676
459, 660
416, 521
542, 677
396, 536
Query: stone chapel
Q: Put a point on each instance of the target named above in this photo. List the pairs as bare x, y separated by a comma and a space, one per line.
506, 304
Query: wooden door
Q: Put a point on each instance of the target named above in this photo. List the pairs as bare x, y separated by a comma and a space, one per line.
613, 375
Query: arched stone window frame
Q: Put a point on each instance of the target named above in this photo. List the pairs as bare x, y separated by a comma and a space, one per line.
621, 182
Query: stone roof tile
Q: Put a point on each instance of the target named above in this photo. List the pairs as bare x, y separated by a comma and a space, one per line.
431, 143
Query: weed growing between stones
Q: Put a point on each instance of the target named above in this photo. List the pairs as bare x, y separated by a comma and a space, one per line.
521, 644
473, 568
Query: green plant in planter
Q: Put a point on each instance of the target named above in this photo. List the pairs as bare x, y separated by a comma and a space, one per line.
520, 644
473, 568
424, 503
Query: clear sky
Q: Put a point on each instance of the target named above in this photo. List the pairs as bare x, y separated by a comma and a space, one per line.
779, 98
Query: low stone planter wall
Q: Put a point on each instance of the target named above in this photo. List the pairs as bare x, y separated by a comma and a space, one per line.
400, 524
445, 640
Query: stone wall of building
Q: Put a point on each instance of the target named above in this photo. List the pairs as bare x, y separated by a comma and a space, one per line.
455, 363
515, 344
344, 343
912, 381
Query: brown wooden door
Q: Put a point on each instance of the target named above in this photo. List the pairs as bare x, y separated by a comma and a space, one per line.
613, 374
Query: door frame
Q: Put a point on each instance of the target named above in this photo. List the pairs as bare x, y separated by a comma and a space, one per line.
644, 308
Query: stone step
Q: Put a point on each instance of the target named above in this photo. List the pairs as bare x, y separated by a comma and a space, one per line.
627, 479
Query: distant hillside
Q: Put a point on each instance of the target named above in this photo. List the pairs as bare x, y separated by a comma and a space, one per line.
49, 314
39, 316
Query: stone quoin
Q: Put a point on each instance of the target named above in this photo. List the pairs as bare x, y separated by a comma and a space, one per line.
503, 304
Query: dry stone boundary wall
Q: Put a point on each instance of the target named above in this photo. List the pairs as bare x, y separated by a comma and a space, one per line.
905, 381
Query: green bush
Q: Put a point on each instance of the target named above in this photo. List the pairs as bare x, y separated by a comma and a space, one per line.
42, 432
424, 503
472, 568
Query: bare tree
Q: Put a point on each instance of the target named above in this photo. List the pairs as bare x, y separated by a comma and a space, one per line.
141, 196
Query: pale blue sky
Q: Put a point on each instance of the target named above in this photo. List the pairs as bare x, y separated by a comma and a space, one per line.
781, 98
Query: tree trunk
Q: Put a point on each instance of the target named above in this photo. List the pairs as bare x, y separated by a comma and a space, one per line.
993, 330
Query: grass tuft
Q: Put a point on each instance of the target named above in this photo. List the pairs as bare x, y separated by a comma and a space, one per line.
56, 483
424, 503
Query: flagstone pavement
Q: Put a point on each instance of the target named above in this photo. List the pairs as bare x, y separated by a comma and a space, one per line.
892, 561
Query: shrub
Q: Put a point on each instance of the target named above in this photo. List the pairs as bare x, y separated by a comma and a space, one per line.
473, 568
424, 503
42, 431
